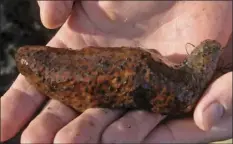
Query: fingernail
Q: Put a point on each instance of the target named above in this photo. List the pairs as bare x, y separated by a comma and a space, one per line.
212, 115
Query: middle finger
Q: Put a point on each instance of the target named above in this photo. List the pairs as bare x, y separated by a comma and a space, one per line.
133, 127
88, 127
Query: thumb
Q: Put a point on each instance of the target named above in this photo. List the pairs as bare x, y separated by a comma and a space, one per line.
216, 103
54, 13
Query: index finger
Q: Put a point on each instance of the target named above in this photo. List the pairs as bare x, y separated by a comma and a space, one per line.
54, 13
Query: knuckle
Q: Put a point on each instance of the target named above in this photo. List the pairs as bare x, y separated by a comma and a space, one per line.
62, 136
7, 130
29, 136
36, 132
107, 136
67, 135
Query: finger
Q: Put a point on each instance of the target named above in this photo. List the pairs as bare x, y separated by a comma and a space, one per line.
45, 126
186, 131
20, 102
215, 104
54, 13
53, 117
18, 105
88, 127
133, 127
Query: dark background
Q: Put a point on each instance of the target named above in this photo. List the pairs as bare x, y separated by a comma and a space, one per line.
19, 25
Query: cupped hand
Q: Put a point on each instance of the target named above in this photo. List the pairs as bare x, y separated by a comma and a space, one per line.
165, 26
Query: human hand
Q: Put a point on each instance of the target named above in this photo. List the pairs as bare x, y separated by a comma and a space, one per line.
165, 26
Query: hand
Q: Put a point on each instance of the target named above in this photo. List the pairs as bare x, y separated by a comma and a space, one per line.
165, 26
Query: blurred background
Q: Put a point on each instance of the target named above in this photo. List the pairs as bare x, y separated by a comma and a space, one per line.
20, 25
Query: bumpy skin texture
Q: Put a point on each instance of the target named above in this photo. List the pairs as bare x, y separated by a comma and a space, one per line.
120, 77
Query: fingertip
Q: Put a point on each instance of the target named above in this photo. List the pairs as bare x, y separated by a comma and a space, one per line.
9, 126
215, 103
7, 131
209, 117
40, 130
54, 13
64, 136
18, 105
198, 119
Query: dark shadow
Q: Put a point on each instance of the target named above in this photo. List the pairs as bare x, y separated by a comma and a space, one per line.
176, 58
19, 25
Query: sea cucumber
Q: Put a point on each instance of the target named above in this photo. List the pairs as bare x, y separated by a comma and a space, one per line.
120, 77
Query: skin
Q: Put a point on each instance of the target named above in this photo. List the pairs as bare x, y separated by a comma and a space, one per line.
165, 26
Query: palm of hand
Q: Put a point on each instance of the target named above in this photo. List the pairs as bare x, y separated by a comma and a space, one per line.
166, 27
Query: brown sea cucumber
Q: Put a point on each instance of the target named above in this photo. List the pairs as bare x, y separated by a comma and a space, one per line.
120, 77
